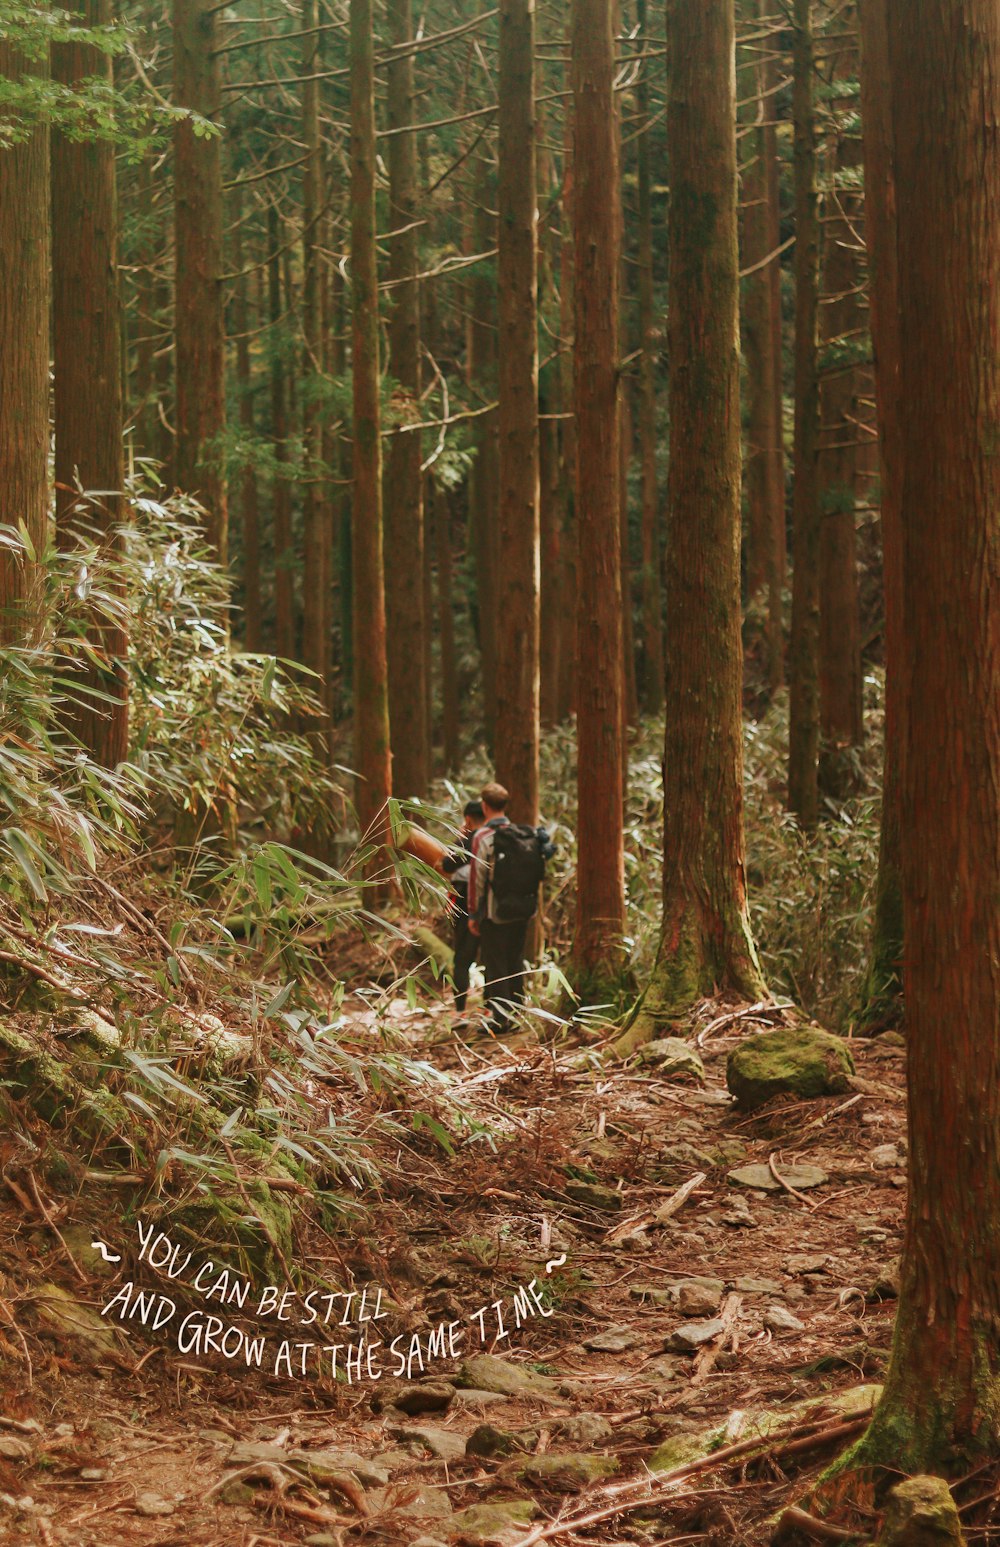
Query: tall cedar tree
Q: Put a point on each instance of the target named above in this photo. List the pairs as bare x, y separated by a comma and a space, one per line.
249, 491
881, 1004
404, 515
652, 598
761, 323
199, 327
372, 757
844, 318
598, 949
483, 490
24, 351
87, 377
942, 1390
515, 687
566, 694
281, 490
803, 654
316, 522
706, 943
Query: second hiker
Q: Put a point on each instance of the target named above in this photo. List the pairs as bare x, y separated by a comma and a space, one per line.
508, 866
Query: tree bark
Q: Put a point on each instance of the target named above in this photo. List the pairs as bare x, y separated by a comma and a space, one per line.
372, 756
881, 1000
844, 319
199, 326
803, 657
316, 526
599, 960
281, 494
940, 1403
404, 515
516, 684
87, 382
249, 493
652, 600
483, 493
566, 700
706, 944
24, 353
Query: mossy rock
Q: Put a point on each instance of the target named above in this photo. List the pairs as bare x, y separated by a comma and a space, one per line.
64, 1316
34, 1072
790, 1061
671, 1057
921, 1513
222, 1225
493, 1525
568, 1473
488, 1372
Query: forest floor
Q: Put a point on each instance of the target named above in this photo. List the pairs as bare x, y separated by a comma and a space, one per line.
572, 1409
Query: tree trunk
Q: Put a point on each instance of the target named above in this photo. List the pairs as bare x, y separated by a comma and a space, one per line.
438, 507
87, 381
706, 943
762, 325
404, 515
199, 327
315, 512
483, 512
550, 522
630, 691
515, 686
281, 494
940, 1404
249, 494
881, 1004
24, 352
844, 320
372, 756
652, 601
566, 702
599, 962
803, 657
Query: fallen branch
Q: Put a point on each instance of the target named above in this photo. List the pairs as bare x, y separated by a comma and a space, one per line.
787, 1185
678, 1199
795, 1521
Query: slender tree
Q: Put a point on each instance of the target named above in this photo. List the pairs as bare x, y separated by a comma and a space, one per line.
843, 324
706, 942
24, 351
87, 378
483, 493
803, 658
940, 1402
316, 526
372, 757
566, 695
652, 599
281, 494
881, 1000
598, 950
515, 687
249, 491
198, 301
404, 515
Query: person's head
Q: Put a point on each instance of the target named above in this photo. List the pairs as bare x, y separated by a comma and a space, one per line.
472, 816
494, 798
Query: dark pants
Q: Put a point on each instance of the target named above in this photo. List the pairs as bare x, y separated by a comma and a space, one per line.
466, 947
501, 951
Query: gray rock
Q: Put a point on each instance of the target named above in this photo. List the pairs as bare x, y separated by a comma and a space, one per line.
886, 1157
886, 1286
490, 1442
691, 1335
756, 1286
424, 1397
473, 1398
12, 1449
151, 1504
808, 1262
587, 1429
738, 1214
778, 1318
649, 1296
670, 1056
697, 1299
494, 1525
569, 1473
594, 1195
252, 1452
792, 1060
762, 1179
442, 1443
614, 1341
322, 1464
487, 1372
921, 1513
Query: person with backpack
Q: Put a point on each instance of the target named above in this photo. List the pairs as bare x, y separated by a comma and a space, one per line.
508, 867
457, 865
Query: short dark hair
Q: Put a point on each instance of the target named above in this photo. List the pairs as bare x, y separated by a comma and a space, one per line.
474, 808
495, 796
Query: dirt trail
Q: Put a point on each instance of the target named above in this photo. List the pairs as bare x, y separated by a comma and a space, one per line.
146, 1445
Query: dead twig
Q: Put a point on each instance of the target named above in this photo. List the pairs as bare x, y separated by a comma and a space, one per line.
795, 1521
787, 1185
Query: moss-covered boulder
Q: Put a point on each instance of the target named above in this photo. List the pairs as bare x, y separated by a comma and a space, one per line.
493, 1525
921, 1513
671, 1057
791, 1061
568, 1473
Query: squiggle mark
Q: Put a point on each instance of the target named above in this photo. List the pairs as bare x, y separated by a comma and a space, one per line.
556, 1262
99, 1246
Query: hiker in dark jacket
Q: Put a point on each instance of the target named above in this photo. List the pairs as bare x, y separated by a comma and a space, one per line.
457, 864
506, 874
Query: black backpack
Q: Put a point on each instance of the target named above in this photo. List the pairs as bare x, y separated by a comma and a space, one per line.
518, 872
